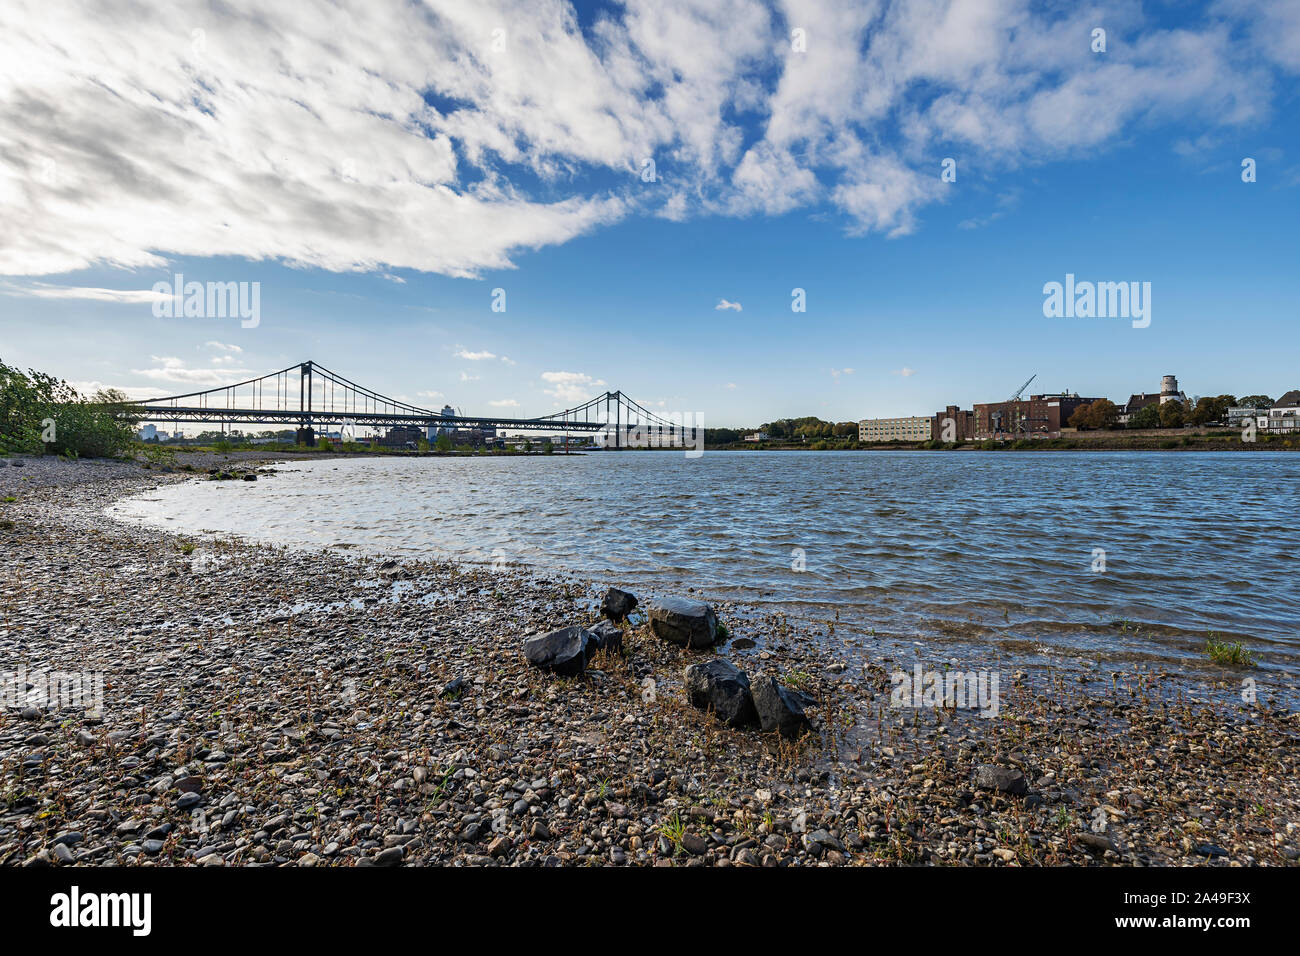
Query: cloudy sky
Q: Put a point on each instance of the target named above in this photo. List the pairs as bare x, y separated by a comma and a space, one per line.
644, 186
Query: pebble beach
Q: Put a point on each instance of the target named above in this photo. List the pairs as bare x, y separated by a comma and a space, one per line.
260, 706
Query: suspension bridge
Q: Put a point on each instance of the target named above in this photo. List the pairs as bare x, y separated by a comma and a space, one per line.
309, 396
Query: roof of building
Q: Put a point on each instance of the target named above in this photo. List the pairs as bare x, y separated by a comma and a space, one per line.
1138, 402
1290, 400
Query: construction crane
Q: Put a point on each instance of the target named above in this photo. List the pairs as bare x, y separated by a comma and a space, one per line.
1021, 389
1019, 422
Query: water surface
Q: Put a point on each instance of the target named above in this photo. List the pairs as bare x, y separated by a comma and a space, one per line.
979, 551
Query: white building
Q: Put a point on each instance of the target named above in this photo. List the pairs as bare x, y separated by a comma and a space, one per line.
1284, 416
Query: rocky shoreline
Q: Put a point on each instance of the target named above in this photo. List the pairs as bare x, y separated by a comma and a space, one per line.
269, 707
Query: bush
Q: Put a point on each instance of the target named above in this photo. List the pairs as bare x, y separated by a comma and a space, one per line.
39, 413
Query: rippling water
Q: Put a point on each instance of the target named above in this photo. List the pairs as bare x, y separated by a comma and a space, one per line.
974, 549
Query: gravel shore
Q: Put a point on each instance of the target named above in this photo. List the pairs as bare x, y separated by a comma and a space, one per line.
269, 707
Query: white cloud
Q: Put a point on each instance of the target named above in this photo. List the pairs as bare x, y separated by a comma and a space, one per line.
42, 290
837, 372
504, 403
482, 356
172, 369
222, 347
389, 136
429, 395
905, 372
571, 388
136, 391
724, 305
466, 377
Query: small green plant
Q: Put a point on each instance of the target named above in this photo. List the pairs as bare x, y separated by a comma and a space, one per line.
797, 679
673, 829
1228, 654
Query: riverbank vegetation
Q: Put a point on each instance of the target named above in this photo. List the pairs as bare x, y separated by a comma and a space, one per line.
40, 414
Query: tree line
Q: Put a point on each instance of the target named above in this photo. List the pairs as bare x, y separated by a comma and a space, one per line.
808, 428
1104, 414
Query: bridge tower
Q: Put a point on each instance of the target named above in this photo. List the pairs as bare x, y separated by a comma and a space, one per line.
306, 434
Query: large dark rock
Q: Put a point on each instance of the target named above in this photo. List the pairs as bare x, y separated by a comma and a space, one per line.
617, 605
683, 621
605, 637
990, 776
718, 685
563, 651
779, 709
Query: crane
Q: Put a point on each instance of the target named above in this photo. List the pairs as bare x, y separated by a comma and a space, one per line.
1021, 389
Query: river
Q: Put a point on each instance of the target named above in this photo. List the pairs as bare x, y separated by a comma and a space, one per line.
1101, 557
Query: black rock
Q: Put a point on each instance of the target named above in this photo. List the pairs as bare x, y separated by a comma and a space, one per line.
250, 477
454, 689
617, 605
990, 776
684, 622
187, 800
779, 709
563, 651
719, 686
606, 637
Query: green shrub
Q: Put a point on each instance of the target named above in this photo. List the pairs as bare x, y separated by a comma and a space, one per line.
40, 413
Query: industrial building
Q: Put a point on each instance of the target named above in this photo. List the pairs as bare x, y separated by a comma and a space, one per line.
913, 428
962, 427
1038, 416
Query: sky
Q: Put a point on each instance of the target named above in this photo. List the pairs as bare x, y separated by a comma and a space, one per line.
513, 205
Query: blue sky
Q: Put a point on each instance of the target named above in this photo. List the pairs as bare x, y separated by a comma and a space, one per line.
380, 217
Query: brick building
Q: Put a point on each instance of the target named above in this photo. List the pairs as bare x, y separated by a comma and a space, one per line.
1038, 415
962, 429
